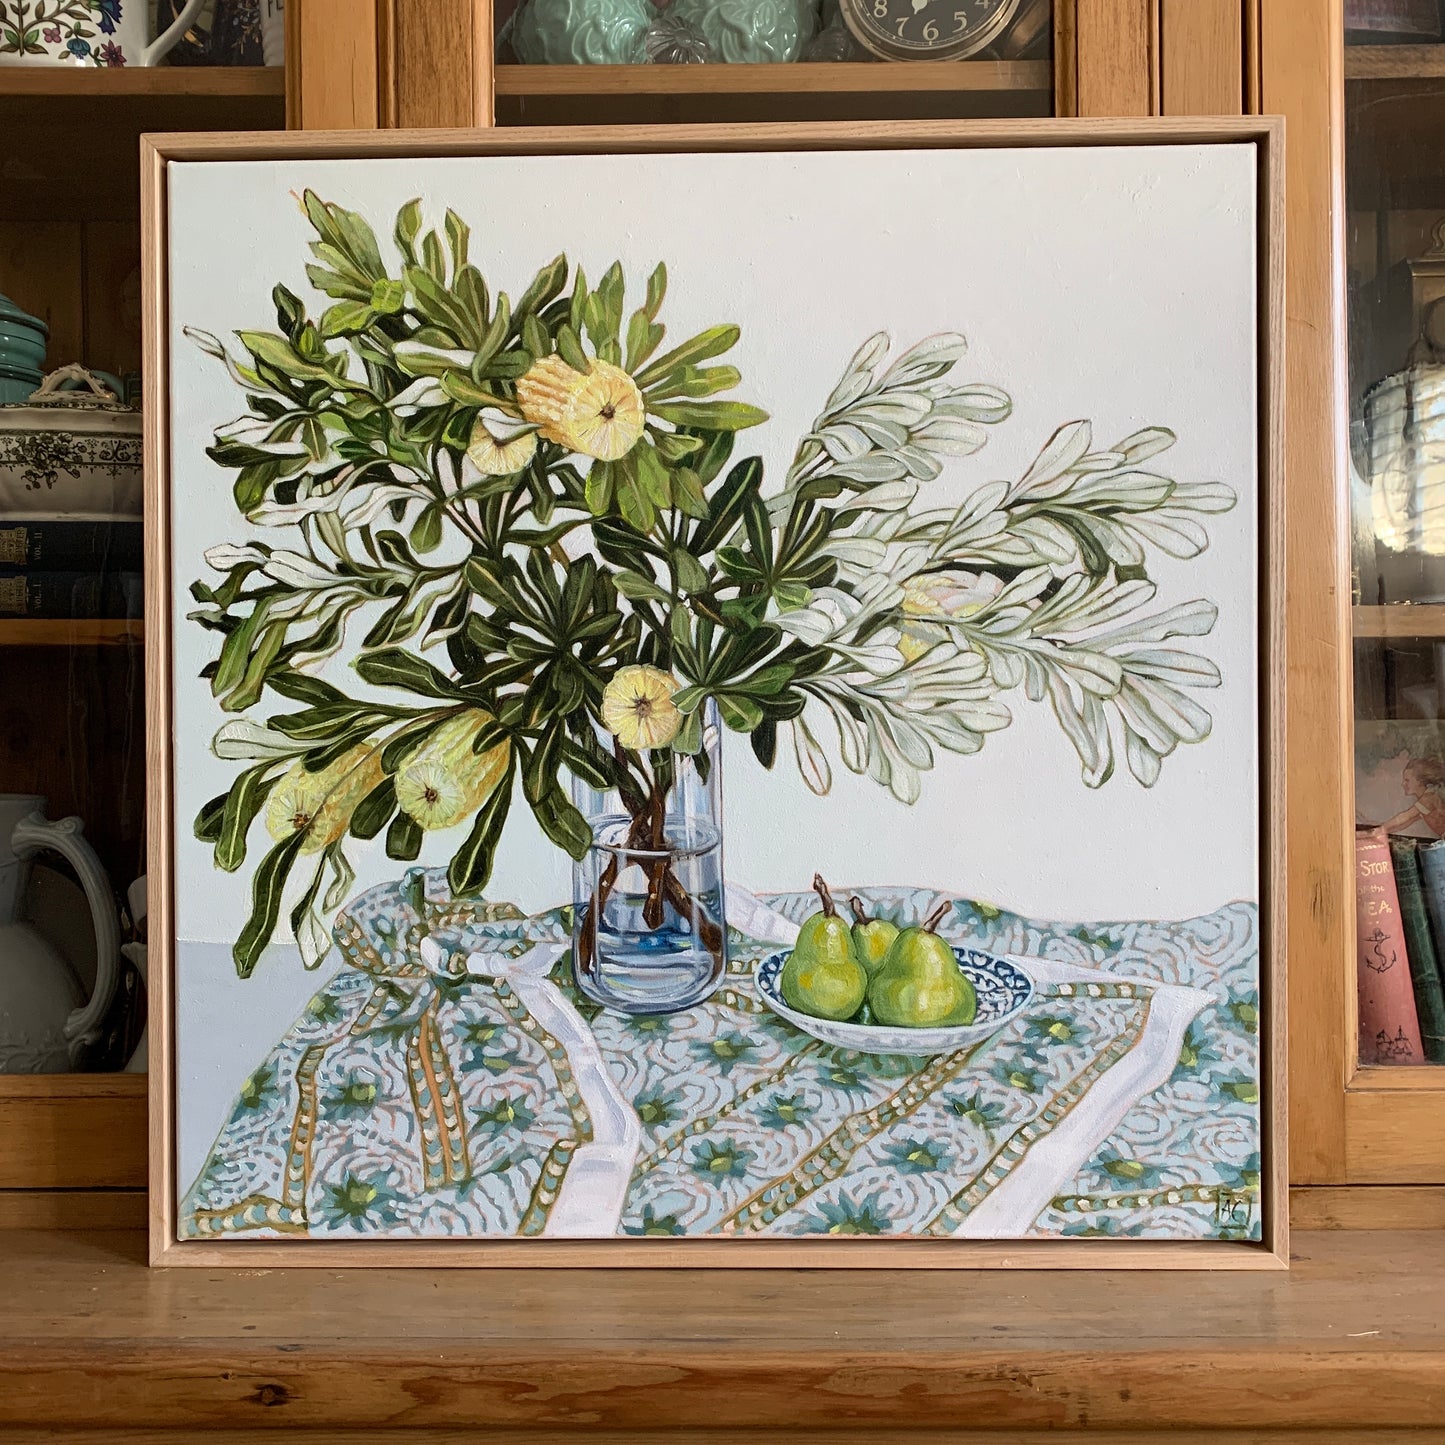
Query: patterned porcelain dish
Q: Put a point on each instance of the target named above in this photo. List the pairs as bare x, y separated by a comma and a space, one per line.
1003, 989
77, 452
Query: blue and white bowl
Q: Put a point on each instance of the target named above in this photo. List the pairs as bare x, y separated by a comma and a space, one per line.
1004, 991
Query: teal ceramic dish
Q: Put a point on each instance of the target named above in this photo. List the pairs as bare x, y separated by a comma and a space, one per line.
22, 343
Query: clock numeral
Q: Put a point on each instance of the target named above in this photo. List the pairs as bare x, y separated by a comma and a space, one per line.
880, 9
901, 23
930, 32
962, 19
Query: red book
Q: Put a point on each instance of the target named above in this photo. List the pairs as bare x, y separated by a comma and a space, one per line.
1389, 1025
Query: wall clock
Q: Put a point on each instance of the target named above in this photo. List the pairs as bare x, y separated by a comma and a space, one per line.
928, 29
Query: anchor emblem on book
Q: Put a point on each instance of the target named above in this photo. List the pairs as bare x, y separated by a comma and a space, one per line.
1376, 958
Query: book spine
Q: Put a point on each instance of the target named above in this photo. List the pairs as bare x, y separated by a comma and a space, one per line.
1389, 1024
58, 544
1420, 948
70, 594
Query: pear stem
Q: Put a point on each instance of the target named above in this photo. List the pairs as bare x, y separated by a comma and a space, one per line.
859, 911
822, 890
937, 916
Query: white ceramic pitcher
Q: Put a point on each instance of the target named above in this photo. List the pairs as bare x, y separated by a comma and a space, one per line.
86, 32
45, 1021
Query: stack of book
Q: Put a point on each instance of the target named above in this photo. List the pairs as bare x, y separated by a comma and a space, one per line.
1400, 919
70, 566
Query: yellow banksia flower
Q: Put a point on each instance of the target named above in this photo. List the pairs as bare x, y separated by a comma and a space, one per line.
500, 444
321, 804
940, 595
443, 781
638, 710
598, 413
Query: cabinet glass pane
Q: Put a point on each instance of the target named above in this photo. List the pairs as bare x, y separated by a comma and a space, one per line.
577, 62
1395, 250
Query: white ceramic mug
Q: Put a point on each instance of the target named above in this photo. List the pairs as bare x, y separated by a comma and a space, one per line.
273, 31
86, 32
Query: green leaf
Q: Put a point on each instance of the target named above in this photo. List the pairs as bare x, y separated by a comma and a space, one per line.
635, 585
728, 503
712, 342
301, 688
710, 415
458, 235
740, 713
403, 838
562, 823
471, 865
546, 287
601, 488
393, 667
207, 826
266, 889
276, 351
374, 809
687, 493
408, 223
689, 571
388, 296
426, 531
535, 338
569, 348
674, 446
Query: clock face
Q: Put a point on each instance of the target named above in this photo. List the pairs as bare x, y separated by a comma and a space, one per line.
927, 29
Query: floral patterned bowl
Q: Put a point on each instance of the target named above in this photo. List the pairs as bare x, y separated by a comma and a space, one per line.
1004, 991
76, 452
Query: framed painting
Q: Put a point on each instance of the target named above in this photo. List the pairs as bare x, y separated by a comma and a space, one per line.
714, 696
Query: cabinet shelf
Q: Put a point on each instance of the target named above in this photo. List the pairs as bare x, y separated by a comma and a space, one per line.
103, 83
1394, 62
579, 94
72, 1131
851, 77
1407, 621
70, 632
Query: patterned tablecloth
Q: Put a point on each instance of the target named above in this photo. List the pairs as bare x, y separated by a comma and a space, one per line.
449, 1081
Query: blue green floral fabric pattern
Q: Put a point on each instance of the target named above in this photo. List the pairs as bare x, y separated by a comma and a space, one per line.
448, 1081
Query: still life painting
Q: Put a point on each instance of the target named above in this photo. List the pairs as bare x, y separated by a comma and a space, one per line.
717, 724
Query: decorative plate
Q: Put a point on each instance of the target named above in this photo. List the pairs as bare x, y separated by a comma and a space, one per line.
1004, 991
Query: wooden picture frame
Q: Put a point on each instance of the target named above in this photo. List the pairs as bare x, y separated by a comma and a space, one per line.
1271, 1250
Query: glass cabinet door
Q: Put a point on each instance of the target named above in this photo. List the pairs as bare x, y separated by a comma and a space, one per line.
1395, 254
565, 62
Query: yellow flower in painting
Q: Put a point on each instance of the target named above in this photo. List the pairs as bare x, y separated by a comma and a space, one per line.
598, 413
638, 710
940, 595
499, 444
442, 781
321, 804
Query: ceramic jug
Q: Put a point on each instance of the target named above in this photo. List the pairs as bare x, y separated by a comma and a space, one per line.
45, 1021
86, 32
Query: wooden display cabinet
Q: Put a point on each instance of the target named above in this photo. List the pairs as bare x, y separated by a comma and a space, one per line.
70, 252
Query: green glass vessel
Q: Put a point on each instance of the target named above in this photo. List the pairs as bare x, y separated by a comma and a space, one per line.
582, 32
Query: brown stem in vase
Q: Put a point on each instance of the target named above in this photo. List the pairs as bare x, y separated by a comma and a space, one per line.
690, 909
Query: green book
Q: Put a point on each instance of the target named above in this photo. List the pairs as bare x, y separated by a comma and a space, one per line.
1420, 948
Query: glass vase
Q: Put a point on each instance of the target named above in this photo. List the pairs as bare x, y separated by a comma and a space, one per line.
648, 933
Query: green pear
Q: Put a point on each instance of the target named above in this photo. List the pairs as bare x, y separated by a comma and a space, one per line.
872, 937
822, 976
919, 983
